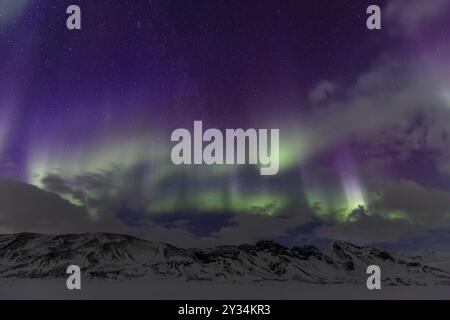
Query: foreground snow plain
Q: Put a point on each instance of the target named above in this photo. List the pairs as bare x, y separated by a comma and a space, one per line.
156, 289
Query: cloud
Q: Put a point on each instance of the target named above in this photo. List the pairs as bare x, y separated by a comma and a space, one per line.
409, 16
249, 228
367, 229
393, 112
26, 208
423, 206
11, 9
239, 229
398, 106
322, 91
399, 211
438, 239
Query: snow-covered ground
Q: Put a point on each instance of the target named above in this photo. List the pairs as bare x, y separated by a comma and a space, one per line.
146, 288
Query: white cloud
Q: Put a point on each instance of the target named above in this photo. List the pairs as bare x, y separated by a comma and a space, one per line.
402, 210
409, 16
322, 91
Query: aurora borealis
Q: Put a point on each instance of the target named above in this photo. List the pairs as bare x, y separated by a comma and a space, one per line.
364, 119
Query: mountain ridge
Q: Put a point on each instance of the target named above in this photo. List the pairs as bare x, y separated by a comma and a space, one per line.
115, 256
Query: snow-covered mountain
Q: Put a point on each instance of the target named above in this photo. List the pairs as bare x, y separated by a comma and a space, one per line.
112, 256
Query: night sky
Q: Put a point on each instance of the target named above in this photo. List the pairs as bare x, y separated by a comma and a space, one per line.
364, 119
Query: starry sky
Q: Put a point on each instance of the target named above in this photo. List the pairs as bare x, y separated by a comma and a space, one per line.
86, 118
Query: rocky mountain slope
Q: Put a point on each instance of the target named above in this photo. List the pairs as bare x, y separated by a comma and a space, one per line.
102, 255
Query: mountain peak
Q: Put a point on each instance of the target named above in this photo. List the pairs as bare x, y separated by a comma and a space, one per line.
270, 245
339, 244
